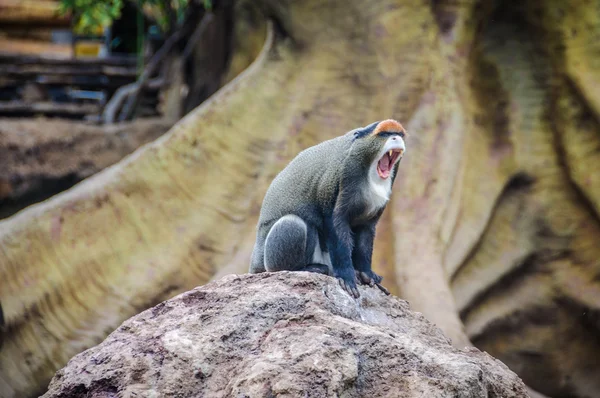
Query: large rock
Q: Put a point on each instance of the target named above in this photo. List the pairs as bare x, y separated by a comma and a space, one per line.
285, 335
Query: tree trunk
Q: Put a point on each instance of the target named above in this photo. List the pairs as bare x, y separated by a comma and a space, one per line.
206, 56
492, 229
42, 157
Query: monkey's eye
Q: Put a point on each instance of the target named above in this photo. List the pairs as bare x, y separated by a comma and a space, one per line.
401, 134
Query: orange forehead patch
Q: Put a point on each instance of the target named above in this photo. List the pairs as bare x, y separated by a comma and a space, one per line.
390, 126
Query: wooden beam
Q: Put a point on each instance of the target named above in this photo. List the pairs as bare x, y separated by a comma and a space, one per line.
67, 70
26, 59
32, 11
48, 107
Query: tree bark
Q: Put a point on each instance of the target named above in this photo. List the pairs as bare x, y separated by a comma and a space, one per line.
42, 157
493, 225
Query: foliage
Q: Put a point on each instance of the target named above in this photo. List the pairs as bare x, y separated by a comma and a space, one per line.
91, 16
161, 11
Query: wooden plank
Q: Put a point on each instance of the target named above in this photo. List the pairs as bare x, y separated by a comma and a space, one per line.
48, 107
26, 59
32, 12
67, 70
34, 47
111, 84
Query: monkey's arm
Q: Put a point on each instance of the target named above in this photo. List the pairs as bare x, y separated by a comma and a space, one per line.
339, 244
362, 253
363, 250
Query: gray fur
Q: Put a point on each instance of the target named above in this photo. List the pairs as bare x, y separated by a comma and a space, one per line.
285, 245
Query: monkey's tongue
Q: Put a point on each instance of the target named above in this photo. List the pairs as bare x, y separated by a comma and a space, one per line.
383, 167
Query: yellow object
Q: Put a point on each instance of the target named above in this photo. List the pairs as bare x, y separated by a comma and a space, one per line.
88, 49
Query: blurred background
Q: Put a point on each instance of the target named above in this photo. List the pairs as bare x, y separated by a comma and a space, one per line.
137, 139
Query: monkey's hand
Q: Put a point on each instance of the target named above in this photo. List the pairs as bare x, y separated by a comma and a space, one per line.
347, 281
372, 279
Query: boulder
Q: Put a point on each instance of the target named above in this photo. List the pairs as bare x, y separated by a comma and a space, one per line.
285, 334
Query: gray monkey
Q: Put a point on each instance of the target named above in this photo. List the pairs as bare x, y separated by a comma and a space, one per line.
320, 212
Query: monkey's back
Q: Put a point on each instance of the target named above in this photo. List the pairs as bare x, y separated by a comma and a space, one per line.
307, 185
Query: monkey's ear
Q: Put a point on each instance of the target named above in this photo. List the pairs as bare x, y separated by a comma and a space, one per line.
365, 131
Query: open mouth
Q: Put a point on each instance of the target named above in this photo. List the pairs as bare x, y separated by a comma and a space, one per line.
385, 164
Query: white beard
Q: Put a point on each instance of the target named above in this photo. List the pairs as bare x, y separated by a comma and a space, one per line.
379, 190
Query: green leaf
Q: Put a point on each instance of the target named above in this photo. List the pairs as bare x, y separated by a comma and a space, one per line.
89, 15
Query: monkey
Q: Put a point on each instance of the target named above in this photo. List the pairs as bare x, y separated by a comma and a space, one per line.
320, 212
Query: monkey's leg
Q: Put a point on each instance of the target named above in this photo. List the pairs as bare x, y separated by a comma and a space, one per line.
319, 261
289, 246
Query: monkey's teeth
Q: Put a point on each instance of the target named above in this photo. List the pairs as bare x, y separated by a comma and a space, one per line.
390, 152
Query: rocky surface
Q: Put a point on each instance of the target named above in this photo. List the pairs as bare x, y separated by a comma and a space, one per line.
284, 335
